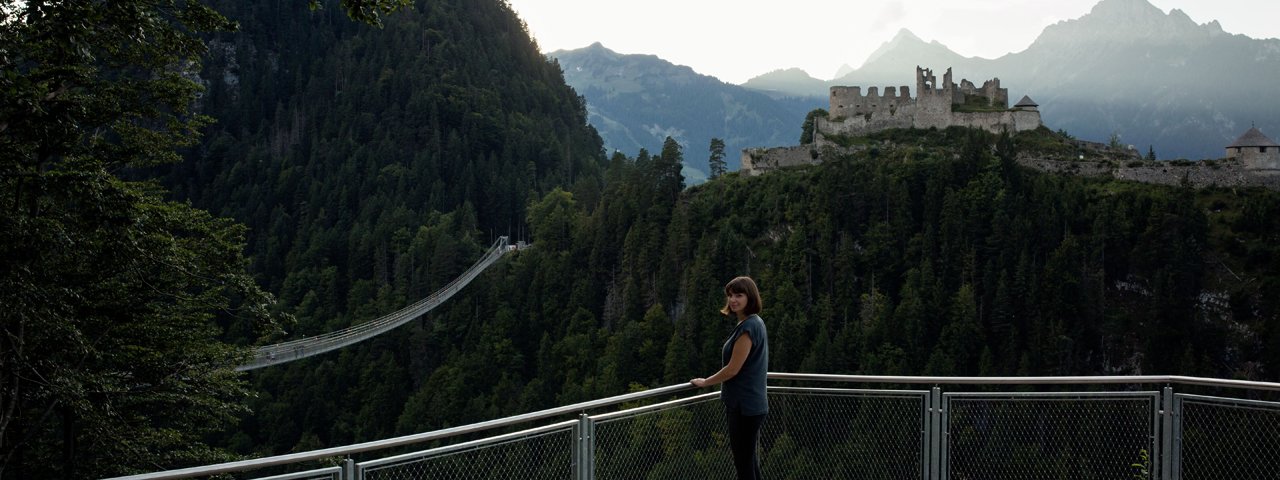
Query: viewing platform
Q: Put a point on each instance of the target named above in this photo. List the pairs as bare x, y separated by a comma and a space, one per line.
844, 426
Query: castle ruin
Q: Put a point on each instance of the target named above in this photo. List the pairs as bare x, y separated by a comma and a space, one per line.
937, 105
1252, 160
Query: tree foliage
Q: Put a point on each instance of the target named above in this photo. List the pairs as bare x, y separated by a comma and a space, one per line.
115, 299
716, 160
373, 165
807, 129
935, 256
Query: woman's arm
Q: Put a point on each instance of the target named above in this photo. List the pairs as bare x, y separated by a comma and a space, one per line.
741, 348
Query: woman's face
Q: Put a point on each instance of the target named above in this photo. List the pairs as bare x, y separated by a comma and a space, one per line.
736, 301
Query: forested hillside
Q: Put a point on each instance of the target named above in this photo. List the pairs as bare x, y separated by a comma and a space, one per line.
936, 255
336, 143
374, 165
371, 166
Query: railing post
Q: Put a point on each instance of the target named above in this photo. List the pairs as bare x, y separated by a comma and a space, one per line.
349, 469
1166, 435
584, 448
935, 434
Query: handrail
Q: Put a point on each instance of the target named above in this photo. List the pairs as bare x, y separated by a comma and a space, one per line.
404, 440
671, 389
289, 351
1062, 380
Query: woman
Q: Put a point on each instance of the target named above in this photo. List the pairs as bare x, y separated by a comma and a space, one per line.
746, 361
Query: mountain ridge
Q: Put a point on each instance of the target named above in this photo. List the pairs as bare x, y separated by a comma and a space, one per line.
1156, 80
635, 101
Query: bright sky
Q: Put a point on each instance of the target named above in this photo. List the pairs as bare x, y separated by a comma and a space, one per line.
735, 40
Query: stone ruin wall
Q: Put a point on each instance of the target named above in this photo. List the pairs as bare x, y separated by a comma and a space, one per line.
990, 90
756, 161
1222, 173
909, 116
848, 102
863, 124
1254, 157
933, 101
1228, 173
995, 122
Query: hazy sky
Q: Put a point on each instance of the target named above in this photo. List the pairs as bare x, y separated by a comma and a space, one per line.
735, 40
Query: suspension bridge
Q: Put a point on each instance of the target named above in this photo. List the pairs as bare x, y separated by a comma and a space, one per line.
275, 354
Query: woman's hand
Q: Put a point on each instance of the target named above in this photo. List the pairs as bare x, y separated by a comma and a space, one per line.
699, 382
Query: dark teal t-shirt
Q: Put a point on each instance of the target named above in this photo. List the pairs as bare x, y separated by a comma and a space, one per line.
745, 392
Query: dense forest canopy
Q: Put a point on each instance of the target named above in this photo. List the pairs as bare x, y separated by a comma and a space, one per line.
372, 165
108, 355
932, 254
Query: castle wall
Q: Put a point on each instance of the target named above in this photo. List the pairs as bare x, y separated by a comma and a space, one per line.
933, 99
990, 90
909, 116
1222, 173
865, 123
850, 102
933, 110
989, 121
996, 122
1253, 157
756, 161
1024, 120
1199, 175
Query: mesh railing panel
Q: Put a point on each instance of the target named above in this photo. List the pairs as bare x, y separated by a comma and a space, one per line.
852, 434
807, 435
1226, 438
542, 456
1036, 436
686, 441
331, 473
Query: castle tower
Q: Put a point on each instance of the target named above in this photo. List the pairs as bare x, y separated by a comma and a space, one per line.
925, 81
1027, 104
1255, 150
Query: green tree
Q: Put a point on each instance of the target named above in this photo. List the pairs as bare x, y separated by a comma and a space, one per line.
110, 358
806, 130
716, 161
667, 173
553, 220
367, 11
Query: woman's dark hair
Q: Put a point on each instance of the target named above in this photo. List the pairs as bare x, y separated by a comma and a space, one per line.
745, 286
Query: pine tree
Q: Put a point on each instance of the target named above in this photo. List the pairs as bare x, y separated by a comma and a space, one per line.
716, 161
110, 357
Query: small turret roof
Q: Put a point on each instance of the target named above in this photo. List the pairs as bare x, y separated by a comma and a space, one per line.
1026, 102
1253, 138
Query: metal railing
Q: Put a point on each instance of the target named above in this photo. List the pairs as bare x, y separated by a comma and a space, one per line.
1074, 427
274, 354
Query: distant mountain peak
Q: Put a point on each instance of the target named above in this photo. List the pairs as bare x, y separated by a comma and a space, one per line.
904, 40
787, 82
789, 72
844, 69
1127, 21
905, 34
596, 49
1126, 8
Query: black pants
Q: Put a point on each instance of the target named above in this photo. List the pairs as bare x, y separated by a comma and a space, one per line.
744, 436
